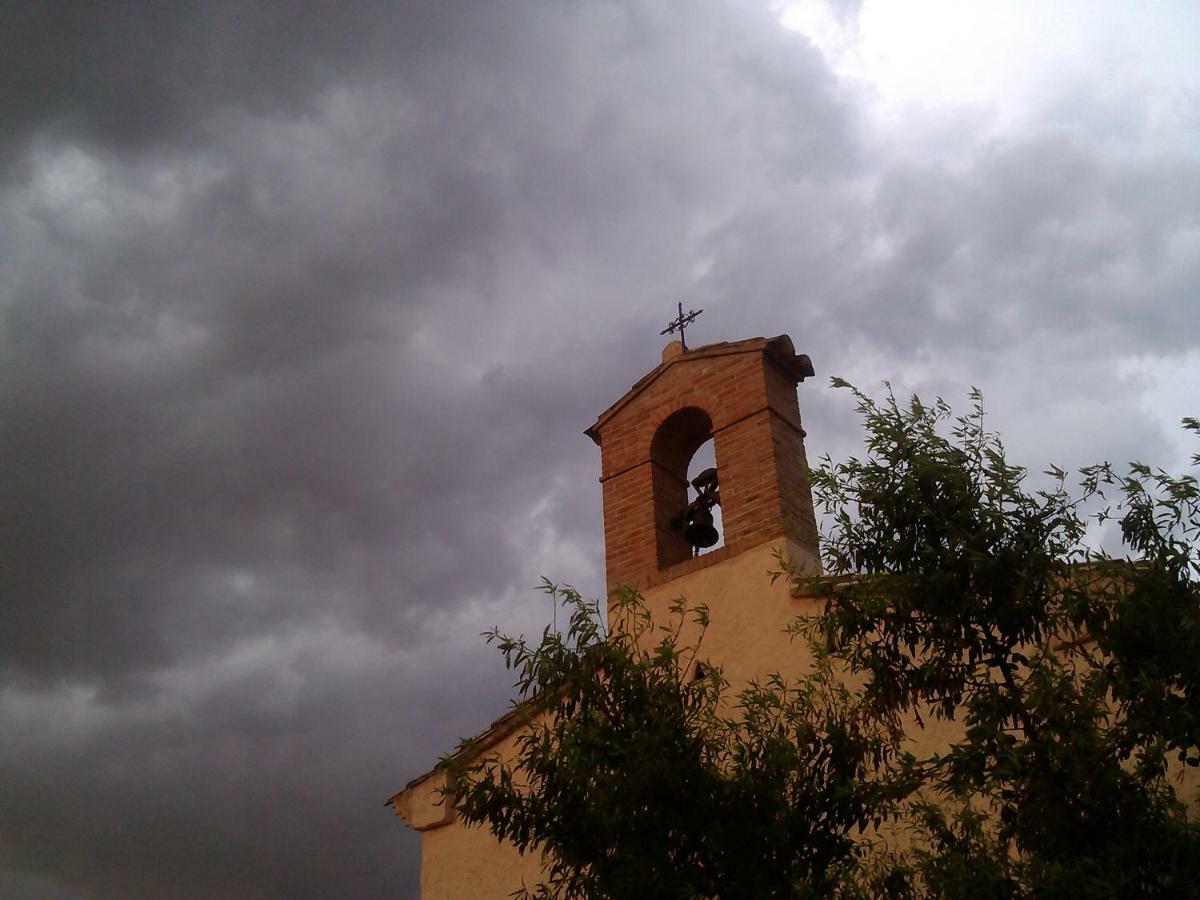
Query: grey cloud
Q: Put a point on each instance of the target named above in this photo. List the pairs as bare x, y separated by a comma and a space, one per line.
143, 76
303, 311
1045, 233
295, 347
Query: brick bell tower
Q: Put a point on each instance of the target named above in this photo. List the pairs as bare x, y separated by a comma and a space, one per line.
742, 395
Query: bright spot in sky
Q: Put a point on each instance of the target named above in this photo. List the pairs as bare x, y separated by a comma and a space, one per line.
931, 50
1011, 67
1002, 55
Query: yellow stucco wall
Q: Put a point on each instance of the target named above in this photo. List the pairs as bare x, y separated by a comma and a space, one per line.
748, 615
460, 862
747, 637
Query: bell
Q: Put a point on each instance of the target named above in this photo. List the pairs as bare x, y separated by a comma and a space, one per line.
700, 532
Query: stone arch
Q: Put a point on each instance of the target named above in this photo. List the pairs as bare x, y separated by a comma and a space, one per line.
675, 441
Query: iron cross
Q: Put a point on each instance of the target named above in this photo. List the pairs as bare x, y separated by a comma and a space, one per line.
681, 323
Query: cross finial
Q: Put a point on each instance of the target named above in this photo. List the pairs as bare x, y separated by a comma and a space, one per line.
681, 322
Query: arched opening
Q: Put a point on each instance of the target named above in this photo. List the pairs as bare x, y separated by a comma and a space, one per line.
672, 450
703, 459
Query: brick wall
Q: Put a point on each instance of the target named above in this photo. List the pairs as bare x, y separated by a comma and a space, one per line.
741, 394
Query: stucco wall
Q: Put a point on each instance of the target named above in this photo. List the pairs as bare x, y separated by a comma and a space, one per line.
460, 863
746, 638
748, 615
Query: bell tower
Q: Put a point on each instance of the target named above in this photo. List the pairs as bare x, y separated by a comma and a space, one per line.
741, 394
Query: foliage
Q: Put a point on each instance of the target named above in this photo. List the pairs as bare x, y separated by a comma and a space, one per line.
1072, 675
639, 776
1070, 679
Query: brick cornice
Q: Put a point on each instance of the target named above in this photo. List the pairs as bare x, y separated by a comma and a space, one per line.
779, 350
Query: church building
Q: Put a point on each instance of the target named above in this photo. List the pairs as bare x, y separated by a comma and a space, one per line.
743, 396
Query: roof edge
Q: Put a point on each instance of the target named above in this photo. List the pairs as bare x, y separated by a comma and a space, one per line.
780, 349
481, 743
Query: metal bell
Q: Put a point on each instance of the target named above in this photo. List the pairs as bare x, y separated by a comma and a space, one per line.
700, 532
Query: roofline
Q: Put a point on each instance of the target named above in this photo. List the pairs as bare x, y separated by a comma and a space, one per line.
520, 714
481, 743
779, 348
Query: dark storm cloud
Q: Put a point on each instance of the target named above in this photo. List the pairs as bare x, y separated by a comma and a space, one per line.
303, 312
136, 76
303, 309
261, 787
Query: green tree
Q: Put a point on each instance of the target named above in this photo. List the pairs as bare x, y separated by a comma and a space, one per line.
1072, 673
958, 593
636, 777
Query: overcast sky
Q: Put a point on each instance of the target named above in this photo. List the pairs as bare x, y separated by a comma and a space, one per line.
304, 308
